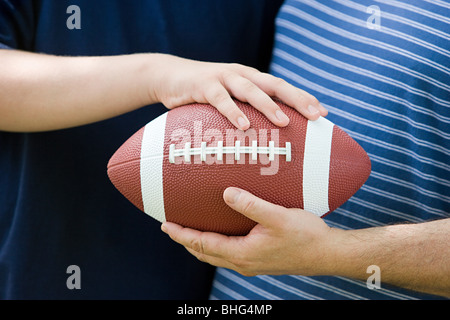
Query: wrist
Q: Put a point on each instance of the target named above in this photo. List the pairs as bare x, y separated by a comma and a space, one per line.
342, 254
154, 74
148, 73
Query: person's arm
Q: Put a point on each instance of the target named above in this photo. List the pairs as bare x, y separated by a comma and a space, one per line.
294, 241
414, 256
41, 92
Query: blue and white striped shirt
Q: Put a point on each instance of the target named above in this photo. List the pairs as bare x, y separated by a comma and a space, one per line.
382, 69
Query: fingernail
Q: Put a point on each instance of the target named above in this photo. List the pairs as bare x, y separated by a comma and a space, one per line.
312, 109
164, 228
281, 116
242, 122
232, 195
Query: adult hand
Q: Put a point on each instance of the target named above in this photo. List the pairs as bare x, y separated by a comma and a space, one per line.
285, 241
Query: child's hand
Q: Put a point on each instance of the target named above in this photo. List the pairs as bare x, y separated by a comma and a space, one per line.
186, 81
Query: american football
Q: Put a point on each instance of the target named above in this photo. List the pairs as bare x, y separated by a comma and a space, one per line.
177, 167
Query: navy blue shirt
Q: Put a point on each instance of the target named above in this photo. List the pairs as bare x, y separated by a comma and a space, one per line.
57, 206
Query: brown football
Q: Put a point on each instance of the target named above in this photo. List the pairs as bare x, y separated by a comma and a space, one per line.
177, 166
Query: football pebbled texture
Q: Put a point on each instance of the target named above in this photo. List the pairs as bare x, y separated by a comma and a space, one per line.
177, 167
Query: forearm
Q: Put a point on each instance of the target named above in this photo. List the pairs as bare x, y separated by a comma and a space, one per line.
43, 92
413, 256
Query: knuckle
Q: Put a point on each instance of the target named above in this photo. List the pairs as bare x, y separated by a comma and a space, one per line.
278, 85
248, 86
313, 100
227, 74
218, 96
279, 82
239, 67
235, 65
196, 245
250, 71
306, 97
248, 206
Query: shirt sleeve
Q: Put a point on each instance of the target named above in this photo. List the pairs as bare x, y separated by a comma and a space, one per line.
17, 24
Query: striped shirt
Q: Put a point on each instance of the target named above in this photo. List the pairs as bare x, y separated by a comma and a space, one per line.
382, 69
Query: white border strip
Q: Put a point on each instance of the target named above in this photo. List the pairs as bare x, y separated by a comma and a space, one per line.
316, 166
152, 151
